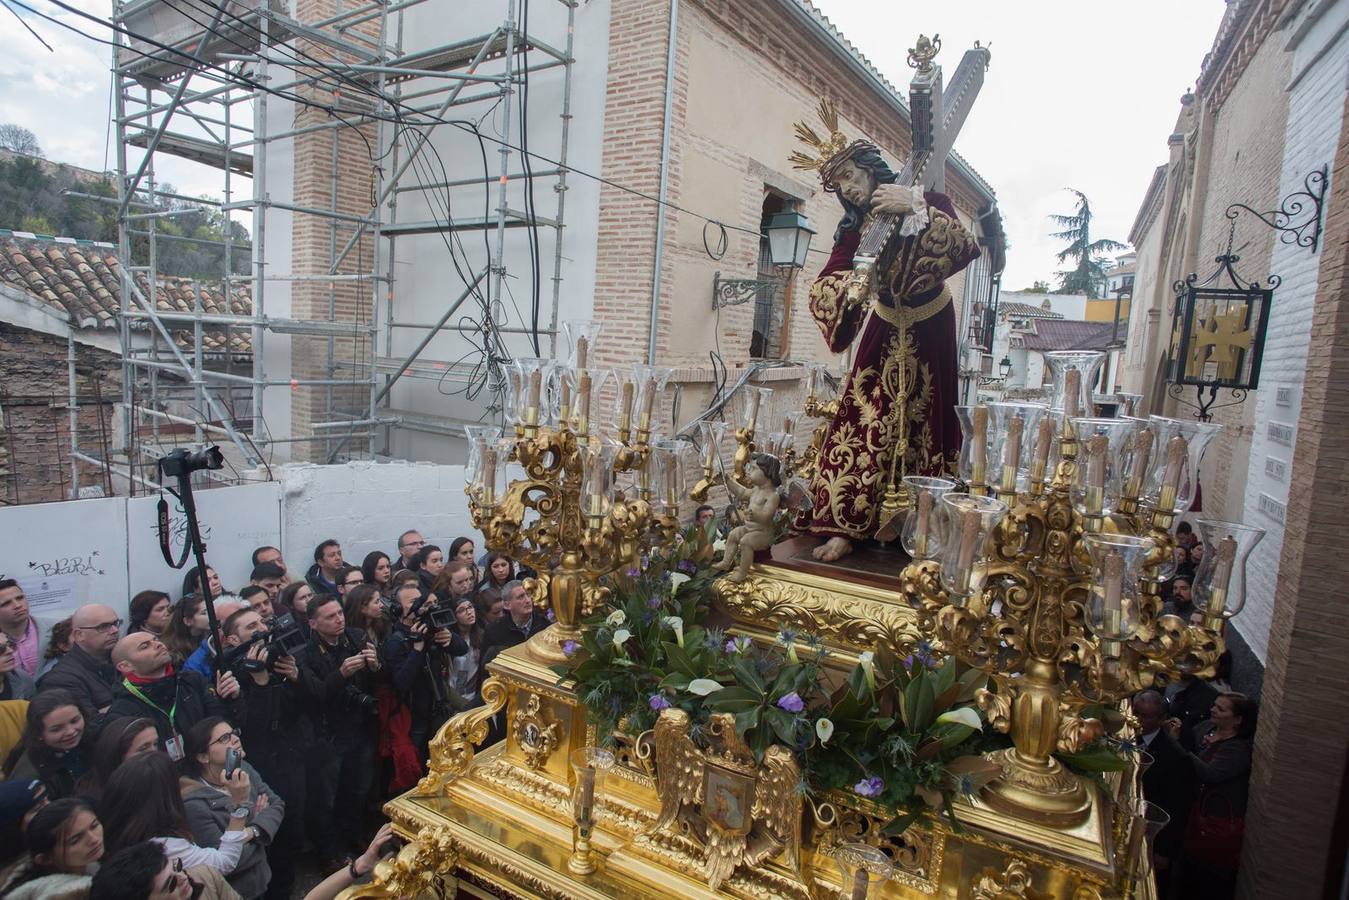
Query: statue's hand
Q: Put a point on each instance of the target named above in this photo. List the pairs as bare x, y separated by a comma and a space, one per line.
893, 198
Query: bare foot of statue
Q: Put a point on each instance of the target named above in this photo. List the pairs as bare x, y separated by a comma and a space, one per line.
832, 549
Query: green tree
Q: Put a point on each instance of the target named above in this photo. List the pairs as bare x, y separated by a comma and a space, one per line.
1088, 272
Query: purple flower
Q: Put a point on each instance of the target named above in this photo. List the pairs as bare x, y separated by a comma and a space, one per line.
569, 647
551, 616
869, 787
658, 702
792, 702
687, 566
633, 573
653, 601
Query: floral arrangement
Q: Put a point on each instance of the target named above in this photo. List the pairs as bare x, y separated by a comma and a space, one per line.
902, 733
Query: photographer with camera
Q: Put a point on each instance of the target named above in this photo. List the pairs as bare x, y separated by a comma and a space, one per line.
419, 654
275, 694
343, 663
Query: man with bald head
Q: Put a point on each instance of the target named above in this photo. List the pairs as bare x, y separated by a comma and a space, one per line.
1168, 782
87, 671
150, 688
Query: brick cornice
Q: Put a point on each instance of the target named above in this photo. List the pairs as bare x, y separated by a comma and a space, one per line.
1243, 31
804, 58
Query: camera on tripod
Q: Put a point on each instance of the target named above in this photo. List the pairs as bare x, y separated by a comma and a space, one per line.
184, 462
285, 638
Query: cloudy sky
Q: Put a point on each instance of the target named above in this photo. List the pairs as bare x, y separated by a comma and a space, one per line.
1080, 94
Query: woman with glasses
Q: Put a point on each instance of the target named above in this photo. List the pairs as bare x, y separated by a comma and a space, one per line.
145, 872
210, 804
57, 744
187, 626
65, 842
143, 801
14, 681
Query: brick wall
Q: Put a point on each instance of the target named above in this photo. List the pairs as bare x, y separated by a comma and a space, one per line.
332, 171
34, 402
1301, 744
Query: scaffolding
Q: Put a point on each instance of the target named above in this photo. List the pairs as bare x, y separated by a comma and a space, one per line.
194, 79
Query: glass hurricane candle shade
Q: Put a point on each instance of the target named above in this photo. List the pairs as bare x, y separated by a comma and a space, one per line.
1074, 372
667, 463
648, 388
479, 436
1220, 582
1113, 596
964, 555
490, 481
924, 528
581, 335
526, 381
972, 467
597, 483
1099, 476
589, 766
1013, 431
754, 407
588, 390
863, 866
710, 434
1168, 454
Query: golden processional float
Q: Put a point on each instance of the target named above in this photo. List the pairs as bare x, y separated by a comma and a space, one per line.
946, 722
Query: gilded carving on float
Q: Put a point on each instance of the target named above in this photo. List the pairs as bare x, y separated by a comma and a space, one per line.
534, 734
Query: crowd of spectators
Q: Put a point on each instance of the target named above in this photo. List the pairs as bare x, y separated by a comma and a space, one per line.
158, 758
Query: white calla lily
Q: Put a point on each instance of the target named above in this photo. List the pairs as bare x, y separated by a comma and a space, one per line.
676, 579
824, 730
704, 686
620, 637
867, 660
616, 618
965, 715
676, 624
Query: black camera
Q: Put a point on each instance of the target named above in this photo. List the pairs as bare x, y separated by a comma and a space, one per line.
360, 701
285, 638
390, 609
436, 616
184, 462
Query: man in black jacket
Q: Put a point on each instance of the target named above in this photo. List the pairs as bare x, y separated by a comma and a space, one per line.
272, 712
521, 622
86, 671
419, 662
1190, 700
174, 701
1168, 782
343, 663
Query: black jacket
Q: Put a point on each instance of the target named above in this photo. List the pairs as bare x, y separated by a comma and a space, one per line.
342, 709
1191, 704
185, 689
90, 680
1169, 782
422, 677
274, 718
504, 633
318, 584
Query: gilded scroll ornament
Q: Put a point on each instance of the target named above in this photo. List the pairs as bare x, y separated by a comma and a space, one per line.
452, 747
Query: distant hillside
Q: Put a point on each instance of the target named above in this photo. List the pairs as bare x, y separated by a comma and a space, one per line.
33, 198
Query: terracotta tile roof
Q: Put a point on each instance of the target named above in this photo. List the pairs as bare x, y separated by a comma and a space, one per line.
1069, 334
1026, 311
83, 280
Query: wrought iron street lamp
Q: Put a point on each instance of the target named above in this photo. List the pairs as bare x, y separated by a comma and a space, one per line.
1218, 335
789, 235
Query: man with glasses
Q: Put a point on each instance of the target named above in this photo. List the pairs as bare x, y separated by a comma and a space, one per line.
173, 701
410, 544
87, 671
19, 626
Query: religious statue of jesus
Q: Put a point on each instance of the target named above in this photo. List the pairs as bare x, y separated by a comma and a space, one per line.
905, 360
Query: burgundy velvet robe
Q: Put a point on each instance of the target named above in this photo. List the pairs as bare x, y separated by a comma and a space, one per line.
855, 457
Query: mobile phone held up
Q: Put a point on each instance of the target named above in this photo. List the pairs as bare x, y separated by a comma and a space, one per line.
232, 761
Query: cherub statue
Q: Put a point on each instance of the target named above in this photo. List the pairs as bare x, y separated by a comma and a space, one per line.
758, 506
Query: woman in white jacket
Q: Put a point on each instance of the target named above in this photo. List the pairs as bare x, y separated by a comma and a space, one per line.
143, 802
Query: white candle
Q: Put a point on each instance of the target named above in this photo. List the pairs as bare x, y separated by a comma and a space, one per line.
582, 350
1072, 394
1113, 588
648, 399
925, 501
1222, 567
625, 414
489, 474
1176, 448
583, 404
1011, 453
969, 541
1043, 438
1142, 453
979, 444
535, 390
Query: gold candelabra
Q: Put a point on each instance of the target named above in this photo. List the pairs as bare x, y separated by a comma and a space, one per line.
1047, 576
564, 515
